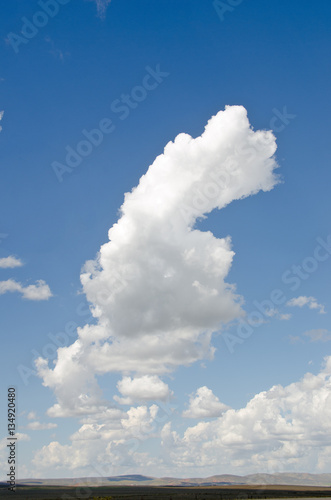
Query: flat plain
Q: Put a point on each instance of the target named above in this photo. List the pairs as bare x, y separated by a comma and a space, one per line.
242, 492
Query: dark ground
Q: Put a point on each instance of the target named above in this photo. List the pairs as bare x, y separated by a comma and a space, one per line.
165, 492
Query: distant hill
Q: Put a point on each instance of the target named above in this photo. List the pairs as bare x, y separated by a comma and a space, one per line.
299, 479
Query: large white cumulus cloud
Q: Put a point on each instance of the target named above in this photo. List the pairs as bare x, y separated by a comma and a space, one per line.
157, 289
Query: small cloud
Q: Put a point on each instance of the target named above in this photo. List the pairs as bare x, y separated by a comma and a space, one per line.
38, 426
204, 404
10, 262
271, 312
285, 317
32, 415
57, 53
145, 388
318, 335
20, 437
39, 291
1, 115
295, 339
276, 314
102, 7
301, 301
3, 236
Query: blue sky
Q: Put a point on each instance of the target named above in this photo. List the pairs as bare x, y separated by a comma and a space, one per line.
171, 65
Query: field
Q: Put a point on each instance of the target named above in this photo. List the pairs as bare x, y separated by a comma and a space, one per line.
166, 493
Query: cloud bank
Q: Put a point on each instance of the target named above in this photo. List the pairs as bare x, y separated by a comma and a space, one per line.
283, 428
157, 288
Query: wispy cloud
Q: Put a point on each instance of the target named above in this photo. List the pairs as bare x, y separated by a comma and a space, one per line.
285, 317
38, 426
56, 53
318, 335
1, 115
39, 291
301, 301
10, 262
102, 6
274, 313
295, 339
32, 415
